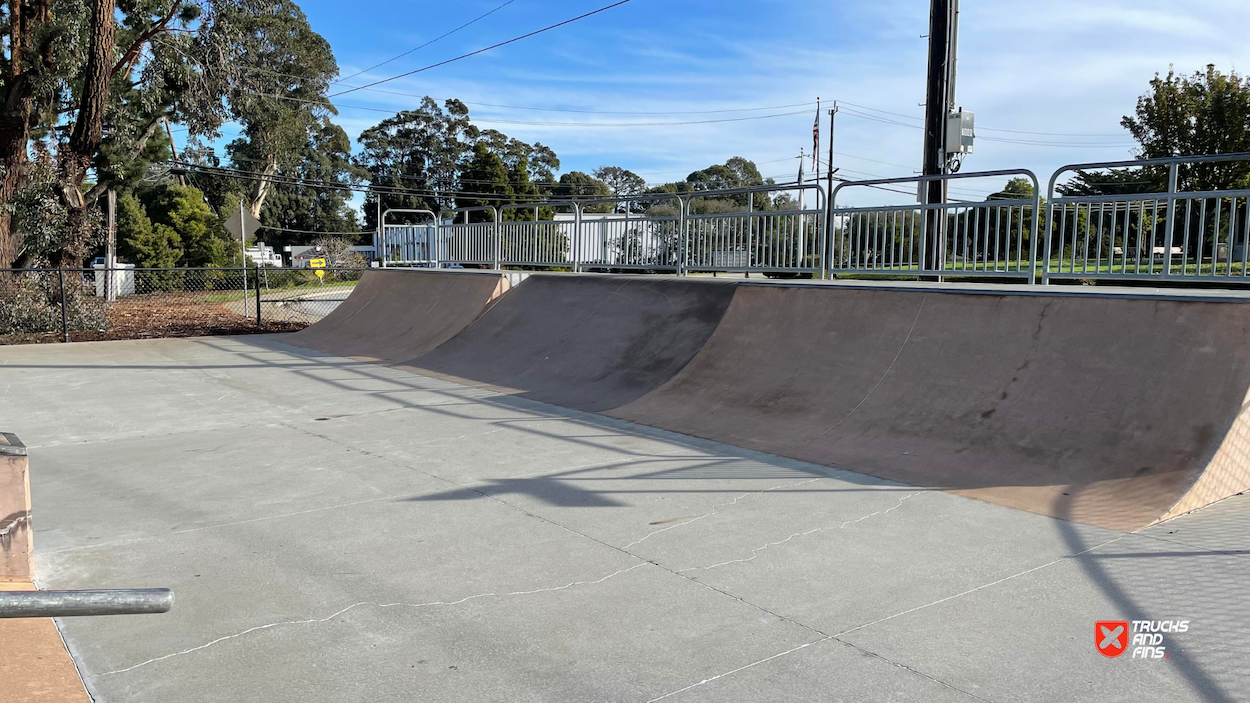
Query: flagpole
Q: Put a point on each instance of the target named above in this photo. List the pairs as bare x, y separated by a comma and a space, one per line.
816, 143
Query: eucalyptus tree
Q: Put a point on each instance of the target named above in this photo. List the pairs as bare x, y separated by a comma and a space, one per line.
419, 151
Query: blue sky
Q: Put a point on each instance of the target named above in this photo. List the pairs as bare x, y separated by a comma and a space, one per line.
1059, 67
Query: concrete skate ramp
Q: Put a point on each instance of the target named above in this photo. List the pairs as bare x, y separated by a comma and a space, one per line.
1112, 411
397, 314
582, 341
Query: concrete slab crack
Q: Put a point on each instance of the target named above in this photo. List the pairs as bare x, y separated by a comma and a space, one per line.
364, 604
716, 509
756, 552
838, 636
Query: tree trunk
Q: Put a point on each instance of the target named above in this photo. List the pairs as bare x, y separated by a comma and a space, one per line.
15, 115
261, 190
88, 132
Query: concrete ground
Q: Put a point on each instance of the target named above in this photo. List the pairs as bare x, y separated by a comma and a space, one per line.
337, 531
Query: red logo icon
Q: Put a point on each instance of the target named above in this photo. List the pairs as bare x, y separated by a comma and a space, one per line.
1111, 637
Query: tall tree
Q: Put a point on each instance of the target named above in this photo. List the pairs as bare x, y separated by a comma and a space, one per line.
576, 185
204, 242
621, 183
142, 243
737, 172
540, 161
491, 182
418, 151
92, 86
281, 100
326, 157
1205, 113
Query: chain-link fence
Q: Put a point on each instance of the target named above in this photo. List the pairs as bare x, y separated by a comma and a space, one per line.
47, 305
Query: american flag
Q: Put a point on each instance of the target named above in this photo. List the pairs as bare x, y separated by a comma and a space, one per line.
816, 140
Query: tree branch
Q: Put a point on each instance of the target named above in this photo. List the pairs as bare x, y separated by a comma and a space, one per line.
105, 182
132, 54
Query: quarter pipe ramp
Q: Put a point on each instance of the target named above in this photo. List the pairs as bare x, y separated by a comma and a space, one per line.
1113, 410
394, 314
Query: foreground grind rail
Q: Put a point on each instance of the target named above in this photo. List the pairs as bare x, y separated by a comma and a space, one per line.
64, 604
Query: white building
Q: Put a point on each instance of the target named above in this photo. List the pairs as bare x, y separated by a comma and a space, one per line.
262, 255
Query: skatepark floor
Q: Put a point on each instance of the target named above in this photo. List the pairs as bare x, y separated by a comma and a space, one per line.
340, 531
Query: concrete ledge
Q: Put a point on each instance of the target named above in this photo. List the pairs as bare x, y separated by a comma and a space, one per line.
16, 536
10, 445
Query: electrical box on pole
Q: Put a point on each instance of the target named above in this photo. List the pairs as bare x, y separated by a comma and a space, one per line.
960, 131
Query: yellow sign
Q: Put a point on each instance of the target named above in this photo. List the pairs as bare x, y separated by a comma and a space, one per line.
320, 273
317, 263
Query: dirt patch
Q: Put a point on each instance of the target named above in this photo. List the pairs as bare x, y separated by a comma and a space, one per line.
177, 314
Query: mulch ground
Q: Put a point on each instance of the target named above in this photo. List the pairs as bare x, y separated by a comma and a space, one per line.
162, 315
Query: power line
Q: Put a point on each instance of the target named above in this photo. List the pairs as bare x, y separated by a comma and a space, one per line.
539, 123
608, 112
441, 36
481, 51
309, 231
639, 124
989, 129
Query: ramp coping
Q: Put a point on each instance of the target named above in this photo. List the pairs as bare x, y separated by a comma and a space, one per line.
10, 445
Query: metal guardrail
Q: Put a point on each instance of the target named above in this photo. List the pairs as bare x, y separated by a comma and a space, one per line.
406, 244
766, 241
468, 242
1174, 235
995, 238
631, 237
64, 604
658, 232
526, 238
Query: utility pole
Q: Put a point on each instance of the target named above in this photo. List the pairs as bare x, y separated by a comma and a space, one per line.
173, 149
939, 101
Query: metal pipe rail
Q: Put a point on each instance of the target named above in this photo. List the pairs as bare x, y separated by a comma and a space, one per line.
1207, 230
995, 238
537, 242
475, 243
632, 241
63, 604
405, 244
757, 241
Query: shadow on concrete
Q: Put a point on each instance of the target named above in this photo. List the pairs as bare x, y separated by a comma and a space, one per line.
1194, 673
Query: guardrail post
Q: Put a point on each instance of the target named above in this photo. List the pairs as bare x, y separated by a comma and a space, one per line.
1169, 227
1037, 215
1046, 240
497, 235
576, 247
381, 241
924, 227
683, 262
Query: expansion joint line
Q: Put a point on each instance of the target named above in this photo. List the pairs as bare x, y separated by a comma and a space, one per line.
840, 635
716, 509
756, 552
370, 604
